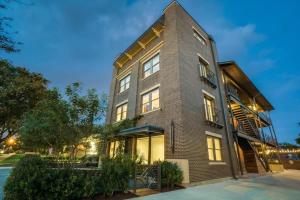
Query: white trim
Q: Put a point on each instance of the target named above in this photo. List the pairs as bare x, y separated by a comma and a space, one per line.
149, 89
208, 94
122, 102
213, 134
195, 29
216, 163
202, 58
157, 46
149, 56
145, 113
124, 76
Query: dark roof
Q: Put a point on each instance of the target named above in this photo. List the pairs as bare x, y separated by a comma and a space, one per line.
141, 130
237, 74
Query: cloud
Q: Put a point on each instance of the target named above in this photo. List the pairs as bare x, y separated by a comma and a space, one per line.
236, 41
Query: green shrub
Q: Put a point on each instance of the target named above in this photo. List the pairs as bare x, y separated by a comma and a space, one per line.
33, 179
171, 174
116, 173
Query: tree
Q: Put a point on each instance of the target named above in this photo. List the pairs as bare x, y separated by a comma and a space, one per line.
20, 91
86, 113
47, 126
58, 124
7, 44
298, 140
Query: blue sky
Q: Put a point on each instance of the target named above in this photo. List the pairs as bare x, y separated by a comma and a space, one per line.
77, 40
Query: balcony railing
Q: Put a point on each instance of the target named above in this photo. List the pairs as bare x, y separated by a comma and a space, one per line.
212, 116
264, 117
232, 91
207, 75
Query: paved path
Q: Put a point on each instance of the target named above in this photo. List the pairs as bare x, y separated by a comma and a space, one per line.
281, 186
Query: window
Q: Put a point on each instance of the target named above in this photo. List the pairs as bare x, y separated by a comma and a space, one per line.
114, 147
150, 101
199, 37
142, 149
214, 148
121, 112
204, 71
124, 83
151, 66
209, 106
157, 149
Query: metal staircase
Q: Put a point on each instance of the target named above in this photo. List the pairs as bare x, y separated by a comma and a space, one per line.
247, 125
245, 120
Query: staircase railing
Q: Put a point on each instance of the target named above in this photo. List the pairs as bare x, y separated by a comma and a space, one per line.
262, 160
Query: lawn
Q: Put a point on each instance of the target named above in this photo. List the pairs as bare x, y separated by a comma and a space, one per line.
11, 160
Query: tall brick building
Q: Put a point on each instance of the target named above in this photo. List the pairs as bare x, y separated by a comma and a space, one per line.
203, 114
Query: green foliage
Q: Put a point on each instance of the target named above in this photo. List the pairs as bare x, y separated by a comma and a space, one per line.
116, 173
59, 124
33, 179
47, 125
288, 145
7, 44
20, 91
298, 140
12, 160
171, 174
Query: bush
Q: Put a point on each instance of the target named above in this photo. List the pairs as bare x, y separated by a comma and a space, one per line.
171, 174
116, 173
33, 179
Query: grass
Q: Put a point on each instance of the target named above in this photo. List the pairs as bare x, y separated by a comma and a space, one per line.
12, 160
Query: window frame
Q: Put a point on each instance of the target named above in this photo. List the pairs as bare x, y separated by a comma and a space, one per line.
150, 146
150, 101
126, 85
210, 112
122, 112
214, 149
152, 66
199, 37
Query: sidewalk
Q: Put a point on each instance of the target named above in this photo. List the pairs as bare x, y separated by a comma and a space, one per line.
285, 185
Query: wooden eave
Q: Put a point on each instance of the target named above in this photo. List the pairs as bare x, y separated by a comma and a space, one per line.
154, 31
243, 81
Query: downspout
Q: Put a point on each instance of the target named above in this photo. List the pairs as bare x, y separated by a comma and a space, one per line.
223, 108
235, 131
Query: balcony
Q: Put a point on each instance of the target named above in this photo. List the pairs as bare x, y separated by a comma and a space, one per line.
207, 76
212, 116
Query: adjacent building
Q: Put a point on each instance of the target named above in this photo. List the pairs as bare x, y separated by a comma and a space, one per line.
203, 114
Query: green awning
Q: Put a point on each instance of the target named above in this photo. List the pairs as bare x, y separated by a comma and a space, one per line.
141, 130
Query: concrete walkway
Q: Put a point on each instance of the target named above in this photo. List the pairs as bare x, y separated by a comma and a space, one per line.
281, 186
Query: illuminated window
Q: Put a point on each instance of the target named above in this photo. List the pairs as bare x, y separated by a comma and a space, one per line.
142, 149
124, 83
157, 148
114, 147
121, 112
214, 149
150, 101
151, 66
209, 106
199, 37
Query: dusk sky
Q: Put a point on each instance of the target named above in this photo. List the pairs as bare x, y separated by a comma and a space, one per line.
77, 40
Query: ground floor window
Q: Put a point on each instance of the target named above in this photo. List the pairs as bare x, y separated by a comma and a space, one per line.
142, 149
214, 148
150, 148
115, 147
